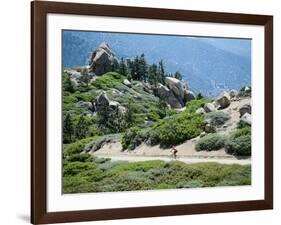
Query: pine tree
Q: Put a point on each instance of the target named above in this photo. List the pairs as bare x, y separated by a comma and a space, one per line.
129, 116
67, 83
130, 69
178, 75
142, 68
67, 129
85, 77
82, 129
199, 96
153, 76
161, 70
122, 67
135, 72
103, 117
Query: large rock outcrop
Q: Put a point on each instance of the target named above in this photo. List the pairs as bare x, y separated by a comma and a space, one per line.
175, 86
174, 92
188, 95
166, 94
103, 60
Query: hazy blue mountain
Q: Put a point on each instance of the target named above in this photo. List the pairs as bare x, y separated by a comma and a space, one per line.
209, 65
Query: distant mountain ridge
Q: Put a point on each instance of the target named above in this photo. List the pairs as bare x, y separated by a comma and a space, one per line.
206, 68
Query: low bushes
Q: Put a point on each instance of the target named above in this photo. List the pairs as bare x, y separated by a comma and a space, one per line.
131, 139
179, 128
193, 105
76, 147
217, 119
79, 157
167, 132
109, 176
108, 80
240, 146
238, 143
242, 132
210, 142
100, 141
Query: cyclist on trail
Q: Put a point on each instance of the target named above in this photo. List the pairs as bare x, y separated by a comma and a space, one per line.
174, 152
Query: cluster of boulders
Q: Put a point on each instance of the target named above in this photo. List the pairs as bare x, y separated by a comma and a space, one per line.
223, 102
174, 92
74, 76
102, 102
102, 60
245, 113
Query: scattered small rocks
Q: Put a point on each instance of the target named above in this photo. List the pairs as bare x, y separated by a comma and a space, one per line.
127, 83
200, 111
209, 107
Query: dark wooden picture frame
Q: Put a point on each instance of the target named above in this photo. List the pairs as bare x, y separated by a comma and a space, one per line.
40, 9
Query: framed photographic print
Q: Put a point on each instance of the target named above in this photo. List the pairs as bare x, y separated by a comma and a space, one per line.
144, 112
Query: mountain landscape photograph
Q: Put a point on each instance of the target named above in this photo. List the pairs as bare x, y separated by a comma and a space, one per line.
150, 112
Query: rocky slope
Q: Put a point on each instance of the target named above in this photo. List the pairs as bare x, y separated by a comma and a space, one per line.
137, 117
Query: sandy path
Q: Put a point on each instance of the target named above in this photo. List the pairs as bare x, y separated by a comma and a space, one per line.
183, 159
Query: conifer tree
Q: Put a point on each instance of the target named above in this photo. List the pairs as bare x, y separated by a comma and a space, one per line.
178, 75
142, 68
82, 129
67, 83
85, 77
67, 129
161, 72
122, 67
153, 76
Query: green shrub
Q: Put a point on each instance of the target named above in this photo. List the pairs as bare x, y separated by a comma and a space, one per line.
75, 168
98, 142
210, 142
82, 177
193, 105
108, 80
77, 147
131, 138
242, 132
76, 184
240, 146
166, 132
80, 157
179, 128
110, 164
190, 184
241, 124
217, 119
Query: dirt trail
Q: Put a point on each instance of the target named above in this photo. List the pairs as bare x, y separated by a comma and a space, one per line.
186, 150
183, 159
